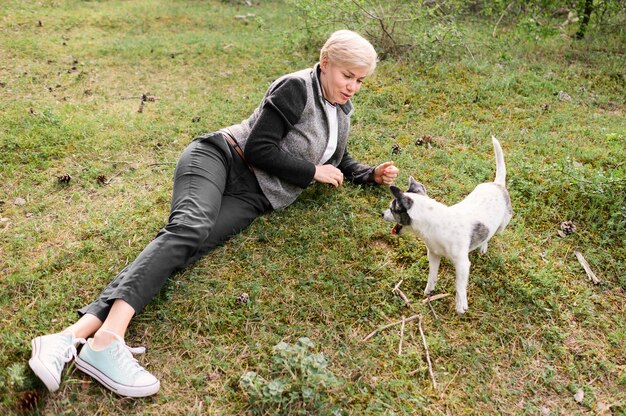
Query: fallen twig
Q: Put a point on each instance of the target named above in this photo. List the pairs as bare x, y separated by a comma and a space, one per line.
130, 167
436, 297
400, 293
493, 34
430, 305
430, 365
403, 297
449, 382
401, 336
585, 265
382, 328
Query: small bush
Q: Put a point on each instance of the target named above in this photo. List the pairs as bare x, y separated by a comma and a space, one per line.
395, 28
298, 382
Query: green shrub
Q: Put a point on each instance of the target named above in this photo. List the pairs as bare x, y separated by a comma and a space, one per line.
298, 382
395, 28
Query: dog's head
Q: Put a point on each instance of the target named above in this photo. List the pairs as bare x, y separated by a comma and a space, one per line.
402, 202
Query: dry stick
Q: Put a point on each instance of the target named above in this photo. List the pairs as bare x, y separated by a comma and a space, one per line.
436, 297
401, 336
431, 298
380, 22
449, 382
132, 167
585, 265
400, 293
432, 309
498, 22
403, 297
382, 328
430, 365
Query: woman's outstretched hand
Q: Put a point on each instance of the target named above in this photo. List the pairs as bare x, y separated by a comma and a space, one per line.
328, 174
385, 173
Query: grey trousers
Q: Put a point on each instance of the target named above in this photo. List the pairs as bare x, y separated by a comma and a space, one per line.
215, 197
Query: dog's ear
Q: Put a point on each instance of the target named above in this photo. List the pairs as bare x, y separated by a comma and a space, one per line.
416, 187
397, 192
403, 201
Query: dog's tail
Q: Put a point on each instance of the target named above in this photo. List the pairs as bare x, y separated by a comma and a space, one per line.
500, 166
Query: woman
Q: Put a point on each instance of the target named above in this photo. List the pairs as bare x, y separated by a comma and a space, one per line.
297, 135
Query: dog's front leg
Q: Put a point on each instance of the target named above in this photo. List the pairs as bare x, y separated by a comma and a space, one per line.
462, 267
433, 270
483, 248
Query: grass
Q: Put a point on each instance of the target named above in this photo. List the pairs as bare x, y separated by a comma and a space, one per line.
537, 329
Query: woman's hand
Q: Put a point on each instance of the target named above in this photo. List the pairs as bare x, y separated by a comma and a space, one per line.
385, 173
328, 174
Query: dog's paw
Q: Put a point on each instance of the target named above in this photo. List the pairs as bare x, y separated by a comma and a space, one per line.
483, 248
461, 306
429, 290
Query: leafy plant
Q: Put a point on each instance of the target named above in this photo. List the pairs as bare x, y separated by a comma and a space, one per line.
298, 382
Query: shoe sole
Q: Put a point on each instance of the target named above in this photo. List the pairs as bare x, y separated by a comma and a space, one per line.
117, 388
40, 369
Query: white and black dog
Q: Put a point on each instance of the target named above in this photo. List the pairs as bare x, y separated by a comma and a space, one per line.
454, 231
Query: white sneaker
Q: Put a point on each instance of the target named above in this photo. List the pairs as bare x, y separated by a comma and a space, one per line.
50, 354
116, 369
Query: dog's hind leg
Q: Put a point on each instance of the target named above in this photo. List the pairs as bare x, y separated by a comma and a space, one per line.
433, 270
462, 267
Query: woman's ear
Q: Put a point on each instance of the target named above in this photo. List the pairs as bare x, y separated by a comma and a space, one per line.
324, 62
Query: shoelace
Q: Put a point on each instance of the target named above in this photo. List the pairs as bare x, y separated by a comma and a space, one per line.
124, 354
67, 353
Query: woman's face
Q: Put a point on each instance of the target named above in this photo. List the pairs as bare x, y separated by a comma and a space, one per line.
340, 83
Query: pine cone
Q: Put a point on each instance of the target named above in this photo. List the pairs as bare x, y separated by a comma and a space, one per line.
101, 179
28, 401
243, 299
424, 139
568, 227
64, 178
395, 149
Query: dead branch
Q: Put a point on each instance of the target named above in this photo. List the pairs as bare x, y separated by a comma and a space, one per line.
401, 336
131, 167
493, 34
382, 328
381, 23
396, 290
449, 382
585, 265
403, 297
430, 305
430, 365
436, 297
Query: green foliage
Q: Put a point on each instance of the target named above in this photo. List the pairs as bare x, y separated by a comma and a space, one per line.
299, 382
536, 330
426, 30
395, 28
16, 376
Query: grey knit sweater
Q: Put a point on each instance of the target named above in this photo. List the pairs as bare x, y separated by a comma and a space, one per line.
286, 136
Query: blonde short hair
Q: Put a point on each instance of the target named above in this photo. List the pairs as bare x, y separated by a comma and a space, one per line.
348, 48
